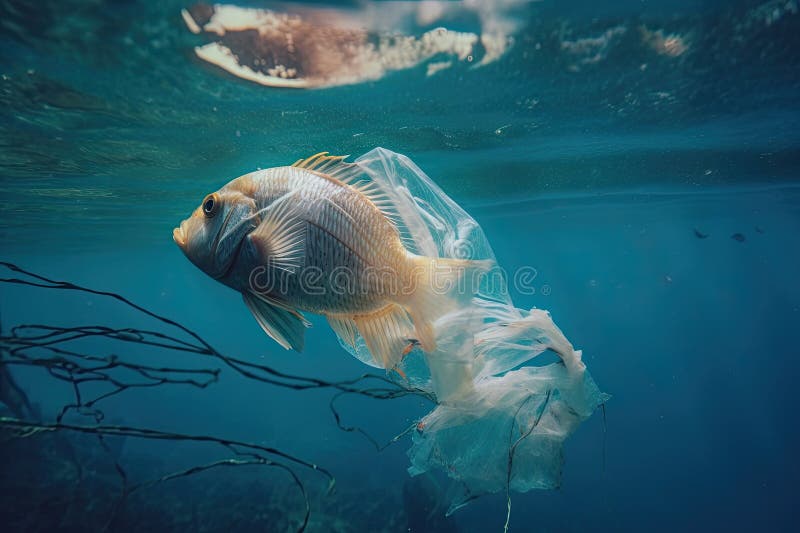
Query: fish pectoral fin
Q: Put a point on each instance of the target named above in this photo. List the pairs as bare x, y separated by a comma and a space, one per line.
280, 238
282, 305
386, 333
285, 325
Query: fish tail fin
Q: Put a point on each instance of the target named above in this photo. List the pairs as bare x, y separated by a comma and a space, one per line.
440, 285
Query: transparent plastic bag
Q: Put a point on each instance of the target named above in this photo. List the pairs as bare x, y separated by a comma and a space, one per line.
498, 425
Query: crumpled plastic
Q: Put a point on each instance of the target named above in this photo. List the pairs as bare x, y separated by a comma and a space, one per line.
500, 421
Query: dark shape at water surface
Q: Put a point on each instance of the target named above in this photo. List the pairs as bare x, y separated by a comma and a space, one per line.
738, 237
759, 229
699, 234
321, 49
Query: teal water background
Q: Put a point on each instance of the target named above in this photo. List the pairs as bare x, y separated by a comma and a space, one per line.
597, 174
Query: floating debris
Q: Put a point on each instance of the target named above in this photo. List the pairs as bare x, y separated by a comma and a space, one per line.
437, 66
671, 45
590, 50
308, 50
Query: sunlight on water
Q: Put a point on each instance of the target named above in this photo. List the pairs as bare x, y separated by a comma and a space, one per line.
112, 103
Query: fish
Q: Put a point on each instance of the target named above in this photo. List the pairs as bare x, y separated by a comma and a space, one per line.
321, 236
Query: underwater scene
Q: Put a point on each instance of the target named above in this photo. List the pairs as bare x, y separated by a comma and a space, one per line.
392, 266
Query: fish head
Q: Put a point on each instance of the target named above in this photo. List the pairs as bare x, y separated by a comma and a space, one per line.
213, 235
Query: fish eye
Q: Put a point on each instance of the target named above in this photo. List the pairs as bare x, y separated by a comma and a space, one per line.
210, 205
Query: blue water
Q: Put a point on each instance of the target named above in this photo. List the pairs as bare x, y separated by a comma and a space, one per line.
598, 174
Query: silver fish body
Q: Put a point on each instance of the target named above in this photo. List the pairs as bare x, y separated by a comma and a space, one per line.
352, 257
318, 237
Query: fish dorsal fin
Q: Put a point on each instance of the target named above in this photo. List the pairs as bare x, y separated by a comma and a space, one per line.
285, 325
333, 166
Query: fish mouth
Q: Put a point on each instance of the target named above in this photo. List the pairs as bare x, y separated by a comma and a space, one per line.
179, 236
